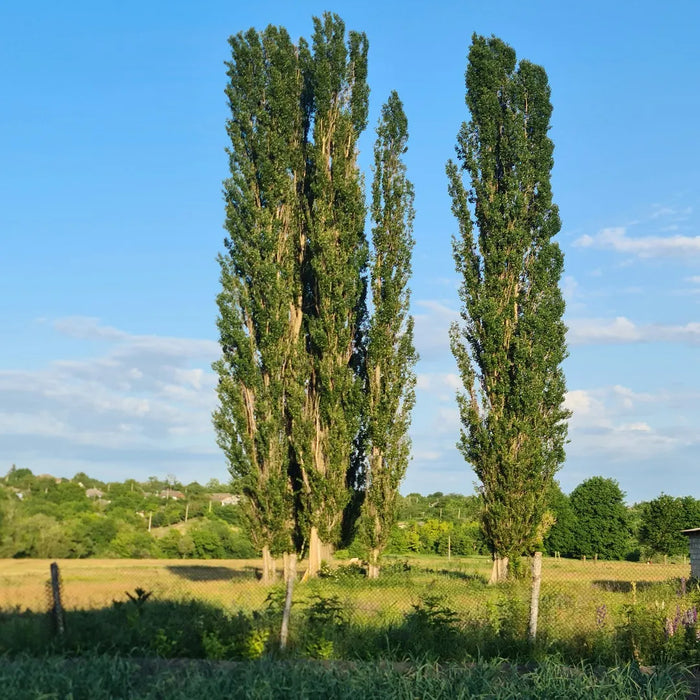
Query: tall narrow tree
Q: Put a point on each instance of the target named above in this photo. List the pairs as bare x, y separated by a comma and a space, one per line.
390, 351
260, 302
511, 343
334, 280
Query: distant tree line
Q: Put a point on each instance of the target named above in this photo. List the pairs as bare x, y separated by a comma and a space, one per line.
41, 516
593, 520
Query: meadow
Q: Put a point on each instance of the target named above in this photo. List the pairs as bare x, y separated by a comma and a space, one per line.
114, 678
429, 627
587, 609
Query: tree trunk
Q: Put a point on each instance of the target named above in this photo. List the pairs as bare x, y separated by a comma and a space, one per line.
326, 552
499, 571
268, 570
373, 564
285, 566
535, 596
315, 546
290, 574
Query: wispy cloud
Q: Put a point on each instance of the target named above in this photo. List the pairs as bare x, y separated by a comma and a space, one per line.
588, 331
441, 384
675, 213
618, 423
616, 239
433, 319
139, 394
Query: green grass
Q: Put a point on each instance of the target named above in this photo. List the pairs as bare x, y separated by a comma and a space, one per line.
113, 678
602, 613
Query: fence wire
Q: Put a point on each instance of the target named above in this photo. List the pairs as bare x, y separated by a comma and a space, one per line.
578, 599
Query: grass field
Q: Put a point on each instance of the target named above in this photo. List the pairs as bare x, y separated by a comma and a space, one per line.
575, 595
95, 583
114, 678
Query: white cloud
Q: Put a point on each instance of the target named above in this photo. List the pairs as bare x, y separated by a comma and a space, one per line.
587, 331
88, 328
616, 239
442, 384
446, 421
569, 288
618, 423
432, 326
675, 213
427, 455
580, 402
139, 401
640, 427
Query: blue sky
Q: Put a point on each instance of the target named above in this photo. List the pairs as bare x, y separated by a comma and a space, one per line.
112, 140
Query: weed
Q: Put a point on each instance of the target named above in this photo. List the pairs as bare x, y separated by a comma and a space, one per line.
327, 612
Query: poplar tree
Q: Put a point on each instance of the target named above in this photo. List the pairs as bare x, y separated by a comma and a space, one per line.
334, 277
292, 308
260, 315
511, 342
391, 355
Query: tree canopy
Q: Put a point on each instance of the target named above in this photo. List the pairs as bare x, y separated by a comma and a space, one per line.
510, 343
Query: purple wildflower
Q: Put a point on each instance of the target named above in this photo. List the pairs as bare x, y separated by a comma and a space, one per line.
601, 613
690, 617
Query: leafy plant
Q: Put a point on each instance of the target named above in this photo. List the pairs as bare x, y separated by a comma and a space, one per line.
433, 612
164, 645
327, 612
254, 644
140, 597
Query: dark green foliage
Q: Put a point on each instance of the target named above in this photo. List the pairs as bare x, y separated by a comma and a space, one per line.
326, 621
391, 355
20, 478
132, 543
601, 517
334, 277
662, 521
563, 535
259, 277
90, 534
452, 507
57, 520
511, 342
214, 539
116, 678
292, 305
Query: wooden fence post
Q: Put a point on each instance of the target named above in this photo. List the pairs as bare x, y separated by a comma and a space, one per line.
290, 570
57, 606
535, 597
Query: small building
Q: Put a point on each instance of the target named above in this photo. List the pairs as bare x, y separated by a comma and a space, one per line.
171, 493
50, 477
94, 493
694, 539
225, 499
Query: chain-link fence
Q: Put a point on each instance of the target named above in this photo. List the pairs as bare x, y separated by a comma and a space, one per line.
438, 605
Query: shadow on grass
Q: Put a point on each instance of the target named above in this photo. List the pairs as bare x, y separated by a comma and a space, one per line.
613, 586
459, 575
214, 573
147, 628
